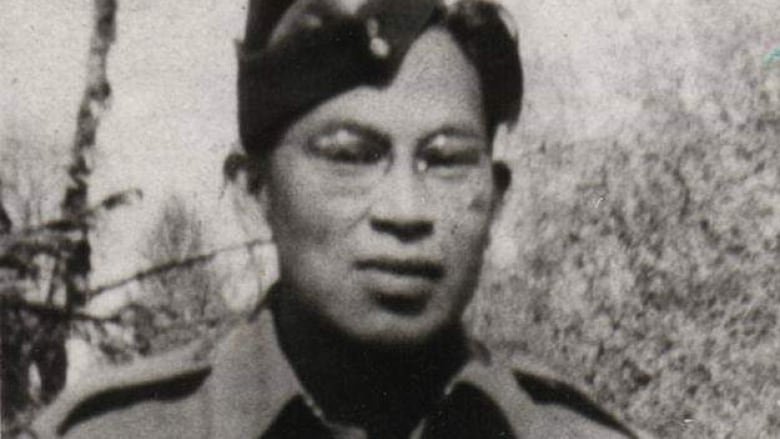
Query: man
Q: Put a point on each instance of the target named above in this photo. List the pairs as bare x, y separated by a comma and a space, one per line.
369, 128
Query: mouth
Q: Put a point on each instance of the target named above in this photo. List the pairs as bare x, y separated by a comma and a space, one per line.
413, 268
401, 304
401, 286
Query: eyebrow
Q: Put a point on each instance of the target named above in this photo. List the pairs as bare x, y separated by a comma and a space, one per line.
455, 131
376, 135
370, 132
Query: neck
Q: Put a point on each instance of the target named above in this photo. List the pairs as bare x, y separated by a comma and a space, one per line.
355, 383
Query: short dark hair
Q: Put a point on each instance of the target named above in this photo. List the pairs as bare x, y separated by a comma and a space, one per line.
277, 85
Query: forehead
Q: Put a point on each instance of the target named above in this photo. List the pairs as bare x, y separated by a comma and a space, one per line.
435, 85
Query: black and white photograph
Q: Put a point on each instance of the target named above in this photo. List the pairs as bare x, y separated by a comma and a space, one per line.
390, 219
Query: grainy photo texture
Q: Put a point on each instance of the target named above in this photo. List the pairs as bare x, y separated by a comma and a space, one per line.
390, 219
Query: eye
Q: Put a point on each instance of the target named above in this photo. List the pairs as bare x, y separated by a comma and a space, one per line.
348, 146
452, 153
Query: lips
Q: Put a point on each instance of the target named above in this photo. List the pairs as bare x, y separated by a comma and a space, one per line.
424, 269
402, 286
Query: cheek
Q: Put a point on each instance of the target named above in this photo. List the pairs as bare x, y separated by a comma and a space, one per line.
470, 211
482, 203
305, 214
466, 227
293, 202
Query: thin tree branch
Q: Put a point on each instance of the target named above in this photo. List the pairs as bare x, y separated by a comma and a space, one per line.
61, 225
175, 265
49, 310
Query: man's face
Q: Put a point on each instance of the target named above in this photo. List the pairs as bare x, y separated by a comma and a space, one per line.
380, 200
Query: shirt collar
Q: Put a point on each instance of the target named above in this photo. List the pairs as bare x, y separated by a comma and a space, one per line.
251, 382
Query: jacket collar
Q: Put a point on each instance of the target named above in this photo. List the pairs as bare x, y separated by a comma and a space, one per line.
251, 382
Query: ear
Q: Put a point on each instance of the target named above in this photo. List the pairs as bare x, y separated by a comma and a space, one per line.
502, 178
502, 174
246, 183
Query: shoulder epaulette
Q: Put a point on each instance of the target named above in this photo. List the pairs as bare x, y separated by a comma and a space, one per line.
121, 385
545, 390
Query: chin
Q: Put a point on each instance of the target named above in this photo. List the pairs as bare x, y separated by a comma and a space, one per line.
400, 334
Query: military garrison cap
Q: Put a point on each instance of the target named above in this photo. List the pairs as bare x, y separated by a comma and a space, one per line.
298, 53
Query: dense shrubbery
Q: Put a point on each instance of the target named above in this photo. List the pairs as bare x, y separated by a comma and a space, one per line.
649, 263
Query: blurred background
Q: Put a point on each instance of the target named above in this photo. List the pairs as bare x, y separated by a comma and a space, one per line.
638, 253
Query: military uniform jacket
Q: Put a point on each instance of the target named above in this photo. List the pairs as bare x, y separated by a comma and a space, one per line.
244, 388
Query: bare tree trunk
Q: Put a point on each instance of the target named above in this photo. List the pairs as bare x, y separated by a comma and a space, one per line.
5, 220
76, 266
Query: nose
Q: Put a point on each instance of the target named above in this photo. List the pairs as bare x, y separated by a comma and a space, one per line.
401, 207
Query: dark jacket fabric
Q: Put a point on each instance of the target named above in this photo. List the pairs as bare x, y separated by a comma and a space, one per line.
245, 388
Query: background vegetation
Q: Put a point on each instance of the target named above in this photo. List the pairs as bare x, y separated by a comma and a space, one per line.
647, 256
